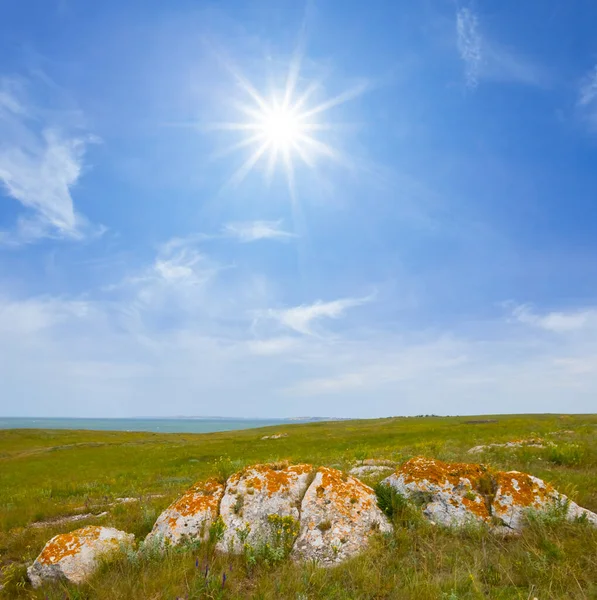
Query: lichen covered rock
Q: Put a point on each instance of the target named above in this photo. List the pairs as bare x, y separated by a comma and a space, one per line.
517, 492
74, 556
253, 496
191, 516
452, 494
460, 493
338, 515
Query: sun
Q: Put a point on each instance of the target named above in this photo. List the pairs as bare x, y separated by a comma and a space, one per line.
284, 127
281, 127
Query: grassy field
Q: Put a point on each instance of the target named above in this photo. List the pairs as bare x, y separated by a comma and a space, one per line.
46, 475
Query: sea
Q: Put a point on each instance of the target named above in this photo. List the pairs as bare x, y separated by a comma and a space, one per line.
158, 425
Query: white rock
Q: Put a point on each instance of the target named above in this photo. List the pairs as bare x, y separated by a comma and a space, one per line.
517, 492
531, 443
450, 491
191, 516
378, 462
369, 470
253, 495
74, 556
457, 493
275, 436
338, 515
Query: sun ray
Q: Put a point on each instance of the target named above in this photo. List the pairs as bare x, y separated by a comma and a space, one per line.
238, 146
246, 167
337, 100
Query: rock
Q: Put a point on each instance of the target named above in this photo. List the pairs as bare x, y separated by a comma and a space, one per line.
68, 519
191, 516
253, 496
378, 462
531, 443
74, 556
369, 470
275, 436
458, 493
517, 492
338, 515
451, 492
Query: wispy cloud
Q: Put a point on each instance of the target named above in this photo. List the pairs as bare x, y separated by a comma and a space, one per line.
587, 98
302, 318
125, 354
40, 163
485, 58
557, 322
469, 44
251, 231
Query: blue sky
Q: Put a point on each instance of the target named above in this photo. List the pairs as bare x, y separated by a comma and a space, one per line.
424, 240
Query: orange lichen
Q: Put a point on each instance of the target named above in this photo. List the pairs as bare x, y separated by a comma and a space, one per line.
349, 495
203, 496
477, 508
439, 472
67, 544
486, 486
274, 480
523, 490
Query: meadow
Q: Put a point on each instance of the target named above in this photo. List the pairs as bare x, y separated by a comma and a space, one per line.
47, 475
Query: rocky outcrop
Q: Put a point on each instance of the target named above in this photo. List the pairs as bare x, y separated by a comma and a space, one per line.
253, 496
191, 516
530, 443
460, 493
74, 556
338, 515
326, 516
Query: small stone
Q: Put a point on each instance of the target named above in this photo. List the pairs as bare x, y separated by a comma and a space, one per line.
369, 470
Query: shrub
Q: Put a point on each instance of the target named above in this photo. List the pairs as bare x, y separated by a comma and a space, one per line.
391, 502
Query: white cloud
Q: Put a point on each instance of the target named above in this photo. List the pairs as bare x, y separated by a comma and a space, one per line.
301, 318
40, 163
178, 337
251, 231
587, 99
272, 346
469, 43
487, 59
557, 322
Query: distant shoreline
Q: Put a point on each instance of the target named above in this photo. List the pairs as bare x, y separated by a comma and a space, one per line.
151, 424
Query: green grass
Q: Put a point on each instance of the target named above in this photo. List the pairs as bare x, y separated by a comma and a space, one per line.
49, 474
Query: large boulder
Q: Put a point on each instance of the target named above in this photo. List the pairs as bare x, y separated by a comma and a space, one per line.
256, 499
191, 516
338, 515
460, 493
74, 556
